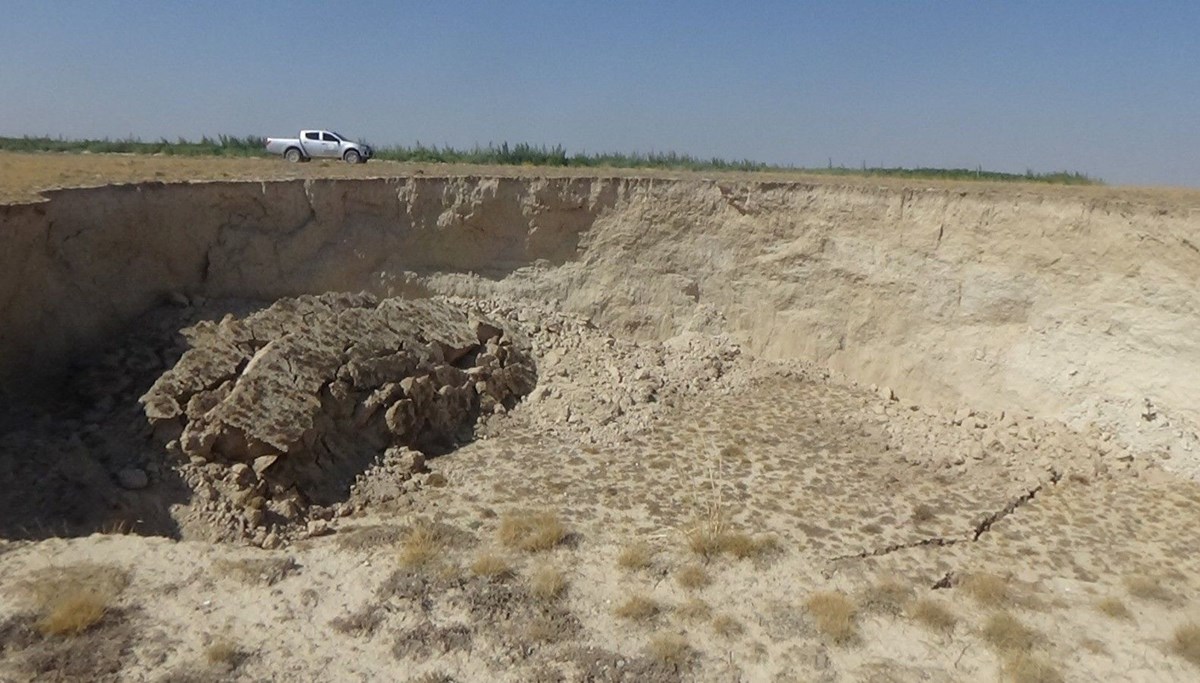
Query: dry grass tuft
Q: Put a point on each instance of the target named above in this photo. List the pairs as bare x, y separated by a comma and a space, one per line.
224, 652
638, 608
491, 566
53, 583
73, 613
547, 583
71, 600
532, 531
888, 596
933, 615
1147, 587
694, 610
1114, 607
1186, 642
726, 626
669, 648
692, 577
836, 616
264, 571
711, 540
1028, 668
743, 546
988, 590
634, 556
705, 539
420, 546
1006, 633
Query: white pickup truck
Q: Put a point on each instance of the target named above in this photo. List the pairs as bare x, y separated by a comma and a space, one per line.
320, 144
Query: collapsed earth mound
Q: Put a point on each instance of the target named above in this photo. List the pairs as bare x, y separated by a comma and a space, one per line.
297, 400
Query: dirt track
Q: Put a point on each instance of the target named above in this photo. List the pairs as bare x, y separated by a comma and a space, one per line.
779, 430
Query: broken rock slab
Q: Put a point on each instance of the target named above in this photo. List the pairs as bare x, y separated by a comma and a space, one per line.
301, 397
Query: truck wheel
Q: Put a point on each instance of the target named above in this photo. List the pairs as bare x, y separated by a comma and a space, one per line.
293, 155
352, 157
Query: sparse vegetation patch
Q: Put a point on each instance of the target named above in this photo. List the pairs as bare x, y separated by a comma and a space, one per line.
532, 531
670, 648
1114, 607
547, 583
1006, 633
490, 565
692, 577
637, 555
73, 613
224, 652
638, 607
933, 615
835, 615
266, 570
989, 590
1029, 668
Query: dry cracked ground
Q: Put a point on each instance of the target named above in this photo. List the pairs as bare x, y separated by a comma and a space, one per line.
351, 488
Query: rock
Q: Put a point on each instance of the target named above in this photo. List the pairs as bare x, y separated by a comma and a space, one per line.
133, 479
318, 527
254, 517
263, 462
485, 331
311, 389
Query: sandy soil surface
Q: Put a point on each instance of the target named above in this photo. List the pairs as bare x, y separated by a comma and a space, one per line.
671, 510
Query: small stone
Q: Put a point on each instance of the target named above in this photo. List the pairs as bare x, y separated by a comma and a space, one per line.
271, 541
261, 463
318, 527
254, 516
133, 479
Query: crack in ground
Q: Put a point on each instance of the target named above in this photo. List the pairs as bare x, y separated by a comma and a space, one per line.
986, 523
887, 550
981, 528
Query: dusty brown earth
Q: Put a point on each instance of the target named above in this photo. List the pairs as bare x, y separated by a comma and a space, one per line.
23, 176
639, 459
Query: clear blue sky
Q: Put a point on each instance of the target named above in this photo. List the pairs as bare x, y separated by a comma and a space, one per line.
1108, 88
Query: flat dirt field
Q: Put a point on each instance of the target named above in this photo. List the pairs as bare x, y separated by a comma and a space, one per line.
423, 423
24, 175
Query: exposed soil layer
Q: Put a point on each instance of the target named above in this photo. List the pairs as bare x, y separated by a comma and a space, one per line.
1074, 308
